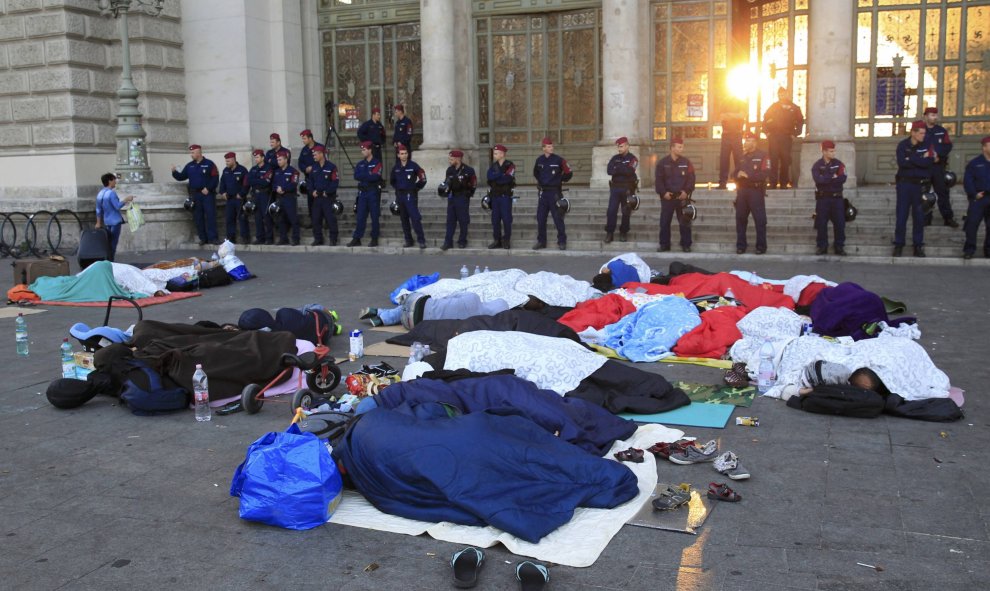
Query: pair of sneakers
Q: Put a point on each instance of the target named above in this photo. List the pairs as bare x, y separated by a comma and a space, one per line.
726, 463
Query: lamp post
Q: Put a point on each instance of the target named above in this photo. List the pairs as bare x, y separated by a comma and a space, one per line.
132, 154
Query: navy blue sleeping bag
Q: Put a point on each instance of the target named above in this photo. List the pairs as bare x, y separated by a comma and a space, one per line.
476, 469
582, 423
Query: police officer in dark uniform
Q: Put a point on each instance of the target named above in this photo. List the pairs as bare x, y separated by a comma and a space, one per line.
501, 181
829, 174
976, 181
260, 180
285, 183
271, 156
234, 188
938, 138
368, 174
550, 171
751, 177
674, 179
323, 181
459, 183
373, 131
407, 179
731, 144
306, 164
782, 122
403, 134
914, 172
622, 168
203, 176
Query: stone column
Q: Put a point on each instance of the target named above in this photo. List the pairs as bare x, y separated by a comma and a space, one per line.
624, 47
438, 46
830, 92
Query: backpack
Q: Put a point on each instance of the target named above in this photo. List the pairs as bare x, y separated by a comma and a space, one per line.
145, 394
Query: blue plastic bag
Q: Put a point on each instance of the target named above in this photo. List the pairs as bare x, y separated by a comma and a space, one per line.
289, 480
412, 284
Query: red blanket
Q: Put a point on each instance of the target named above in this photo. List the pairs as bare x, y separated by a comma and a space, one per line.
716, 333
597, 313
695, 284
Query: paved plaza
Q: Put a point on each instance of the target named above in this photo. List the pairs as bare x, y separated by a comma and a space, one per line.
97, 498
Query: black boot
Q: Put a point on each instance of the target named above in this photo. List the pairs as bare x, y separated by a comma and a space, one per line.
919, 251
898, 251
374, 242
608, 238
354, 242
494, 245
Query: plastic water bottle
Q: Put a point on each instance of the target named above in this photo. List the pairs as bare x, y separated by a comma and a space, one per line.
201, 394
729, 295
477, 270
464, 272
766, 376
486, 270
752, 278
68, 362
21, 335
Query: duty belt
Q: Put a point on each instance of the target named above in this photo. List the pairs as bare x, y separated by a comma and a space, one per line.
912, 180
827, 194
542, 188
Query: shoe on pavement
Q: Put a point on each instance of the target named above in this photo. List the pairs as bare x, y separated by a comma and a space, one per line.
376, 321
407, 244
820, 251
919, 251
728, 464
760, 250
374, 242
494, 245
354, 242
539, 246
694, 455
740, 251
663, 248
686, 248
623, 236
967, 255
951, 222
367, 313
898, 251
609, 237
562, 246
446, 246
840, 252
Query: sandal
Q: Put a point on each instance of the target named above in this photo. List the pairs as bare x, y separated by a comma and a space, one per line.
662, 449
673, 497
466, 564
630, 455
532, 576
737, 376
720, 492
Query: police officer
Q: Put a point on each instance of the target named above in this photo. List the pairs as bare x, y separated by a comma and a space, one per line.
368, 174
731, 144
550, 172
271, 156
234, 188
323, 181
938, 138
751, 177
914, 172
373, 131
306, 164
285, 183
459, 182
830, 175
674, 179
403, 134
501, 181
622, 168
976, 181
407, 179
782, 122
260, 180
202, 175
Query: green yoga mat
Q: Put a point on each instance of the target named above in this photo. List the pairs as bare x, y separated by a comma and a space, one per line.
696, 414
718, 394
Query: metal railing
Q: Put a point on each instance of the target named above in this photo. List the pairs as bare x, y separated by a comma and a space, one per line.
63, 229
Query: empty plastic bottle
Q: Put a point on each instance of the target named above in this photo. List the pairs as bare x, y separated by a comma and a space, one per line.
753, 278
477, 270
486, 269
464, 272
21, 334
766, 376
68, 362
729, 295
201, 394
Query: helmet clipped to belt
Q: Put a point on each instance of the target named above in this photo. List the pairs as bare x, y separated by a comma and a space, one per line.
189, 204
486, 202
338, 207
928, 201
302, 188
563, 206
249, 206
632, 201
689, 213
443, 190
274, 210
950, 179
394, 207
850, 210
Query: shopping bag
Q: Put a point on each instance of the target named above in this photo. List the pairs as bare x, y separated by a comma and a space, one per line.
289, 480
135, 218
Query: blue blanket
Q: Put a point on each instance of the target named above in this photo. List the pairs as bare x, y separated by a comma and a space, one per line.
649, 333
582, 423
95, 284
477, 469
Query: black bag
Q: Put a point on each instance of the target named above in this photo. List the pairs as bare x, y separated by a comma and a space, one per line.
840, 399
214, 277
94, 245
145, 393
182, 284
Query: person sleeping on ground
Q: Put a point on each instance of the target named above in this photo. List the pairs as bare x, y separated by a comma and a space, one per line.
416, 307
820, 373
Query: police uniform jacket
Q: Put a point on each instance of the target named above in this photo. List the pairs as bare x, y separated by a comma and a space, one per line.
234, 183
914, 162
756, 165
501, 177
674, 176
461, 181
938, 138
783, 119
260, 178
372, 132
550, 171
306, 158
368, 174
287, 179
324, 179
408, 177
622, 168
271, 157
403, 132
201, 175
977, 177
829, 177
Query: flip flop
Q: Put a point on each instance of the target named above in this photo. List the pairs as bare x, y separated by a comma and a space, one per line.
466, 564
672, 498
720, 492
532, 576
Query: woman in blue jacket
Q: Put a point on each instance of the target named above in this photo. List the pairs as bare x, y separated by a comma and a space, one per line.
108, 206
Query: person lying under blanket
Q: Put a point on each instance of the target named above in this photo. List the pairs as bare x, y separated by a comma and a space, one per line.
825, 372
416, 307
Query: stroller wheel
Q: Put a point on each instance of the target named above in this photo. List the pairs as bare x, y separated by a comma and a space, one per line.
321, 385
249, 398
303, 398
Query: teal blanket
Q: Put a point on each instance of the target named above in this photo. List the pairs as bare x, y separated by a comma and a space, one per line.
94, 284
